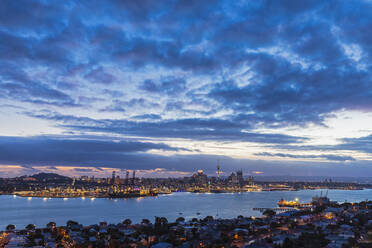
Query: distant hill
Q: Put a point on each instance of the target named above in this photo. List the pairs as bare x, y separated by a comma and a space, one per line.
51, 177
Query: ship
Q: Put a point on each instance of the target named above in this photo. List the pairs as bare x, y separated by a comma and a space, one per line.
320, 200
292, 204
296, 203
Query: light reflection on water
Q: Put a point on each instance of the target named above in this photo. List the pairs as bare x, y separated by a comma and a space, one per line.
40, 211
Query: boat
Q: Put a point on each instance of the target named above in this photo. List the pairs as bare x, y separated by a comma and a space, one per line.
321, 200
293, 204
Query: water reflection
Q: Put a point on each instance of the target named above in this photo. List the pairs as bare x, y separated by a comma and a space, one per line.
40, 211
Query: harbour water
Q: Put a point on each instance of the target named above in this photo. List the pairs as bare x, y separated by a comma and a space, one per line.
39, 211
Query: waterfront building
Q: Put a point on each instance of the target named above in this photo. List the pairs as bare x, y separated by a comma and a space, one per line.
113, 177
250, 180
84, 178
127, 178
239, 177
133, 177
233, 178
200, 178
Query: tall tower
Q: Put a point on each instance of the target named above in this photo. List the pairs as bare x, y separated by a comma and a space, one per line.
218, 169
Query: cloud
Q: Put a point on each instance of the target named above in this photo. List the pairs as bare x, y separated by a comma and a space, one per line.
99, 75
46, 150
148, 116
91, 161
83, 170
362, 144
198, 129
197, 70
324, 156
219, 39
170, 86
43, 15
115, 106
18, 85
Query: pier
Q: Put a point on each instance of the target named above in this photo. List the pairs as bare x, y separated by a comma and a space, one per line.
275, 209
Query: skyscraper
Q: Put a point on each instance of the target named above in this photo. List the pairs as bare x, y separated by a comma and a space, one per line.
133, 176
127, 178
113, 177
239, 175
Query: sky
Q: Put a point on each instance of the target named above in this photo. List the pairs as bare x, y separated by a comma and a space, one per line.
170, 87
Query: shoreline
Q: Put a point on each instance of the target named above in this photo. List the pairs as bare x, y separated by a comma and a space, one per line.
145, 196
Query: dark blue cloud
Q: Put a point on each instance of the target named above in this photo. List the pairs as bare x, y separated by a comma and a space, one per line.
99, 75
362, 144
169, 86
127, 154
47, 150
198, 129
17, 85
148, 116
44, 15
289, 95
200, 70
171, 35
326, 156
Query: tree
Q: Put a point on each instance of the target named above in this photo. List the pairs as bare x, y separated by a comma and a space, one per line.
208, 219
180, 219
161, 225
127, 222
30, 227
10, 227
146, 221
288, 243
164, 220
51, 225
269, 213
71, 223
311, 240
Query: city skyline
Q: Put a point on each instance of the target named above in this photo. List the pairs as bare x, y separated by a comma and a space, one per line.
167, 88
